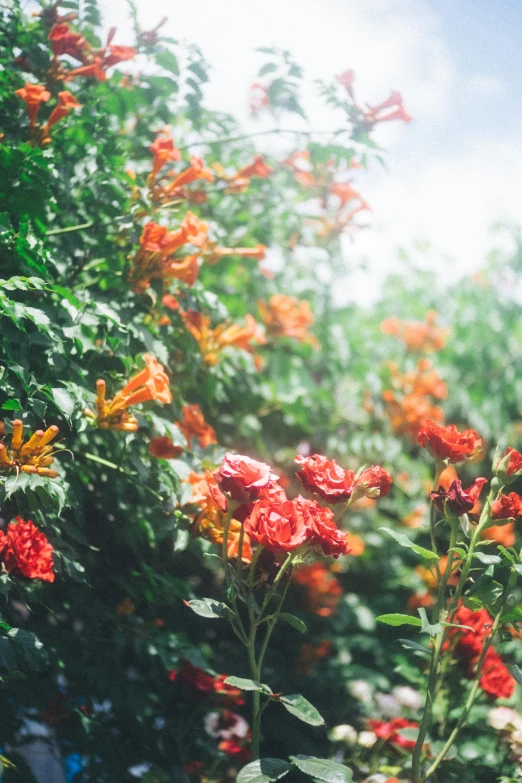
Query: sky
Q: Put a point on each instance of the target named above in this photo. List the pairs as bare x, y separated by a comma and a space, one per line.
452, 173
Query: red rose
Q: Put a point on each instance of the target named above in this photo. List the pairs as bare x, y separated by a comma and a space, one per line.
375, 482
389, 731
324, 531
325, 477
448, 443
25, 549
507, 507
243, 478
495, 679
458, 500
163, 448
277, 525
470, 643
195, 677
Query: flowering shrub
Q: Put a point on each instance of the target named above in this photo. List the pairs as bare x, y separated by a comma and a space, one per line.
210, 475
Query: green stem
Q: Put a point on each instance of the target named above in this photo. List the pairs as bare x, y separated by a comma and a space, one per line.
243, 136
70, 228
473, 693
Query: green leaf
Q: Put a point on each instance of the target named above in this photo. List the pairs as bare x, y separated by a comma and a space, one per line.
322, 769
414, 646
404, 541
28, 647
514, 615
399, 619
263, 771
168, 61
427, 627
64, 401
487, 559
300, 707
292, 620
245, 684
11, 405
207, 607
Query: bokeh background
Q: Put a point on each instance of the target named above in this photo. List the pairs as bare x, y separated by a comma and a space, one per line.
452, 175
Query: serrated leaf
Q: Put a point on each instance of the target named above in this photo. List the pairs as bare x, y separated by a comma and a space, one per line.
208, 607
399, 619
292, 620
263, 771
322, 769
300, 707
404, 541
245, 684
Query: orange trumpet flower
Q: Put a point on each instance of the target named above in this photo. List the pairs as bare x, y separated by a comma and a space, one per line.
34, 456
151, 383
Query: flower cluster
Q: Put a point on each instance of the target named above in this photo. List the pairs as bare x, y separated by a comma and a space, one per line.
33, 96
322, 591
411, 400
366, 117
95, 62
156, 257
25, 550
212, 341
417, 336
495, 679
151, 383
286, 316
33, 456
280, 525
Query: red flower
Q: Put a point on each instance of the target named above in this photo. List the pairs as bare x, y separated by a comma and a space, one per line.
389, 731
33, 95
375, 481
470, 643
233, 748
66, 102
163, 447
325, 477
458, 500
229, 693
256, 169
193, 425
64, 41
324, 531
347, 79
25, 549
495, 679
242, 478
448, 443
507, 507
277, 525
